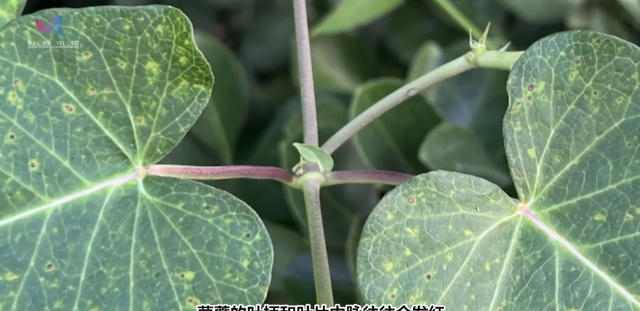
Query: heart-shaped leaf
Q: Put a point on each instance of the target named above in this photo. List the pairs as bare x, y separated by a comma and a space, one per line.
571, 240
81, 226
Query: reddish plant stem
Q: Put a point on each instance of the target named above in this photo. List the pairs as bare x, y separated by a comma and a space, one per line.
221, 172
366, 177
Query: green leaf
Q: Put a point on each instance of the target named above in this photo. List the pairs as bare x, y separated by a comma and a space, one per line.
339, 203
570, 240
222, 120
391, 142
10, 10
315, 155
351, 14
340, 63
452, 147
445, 236
82, 227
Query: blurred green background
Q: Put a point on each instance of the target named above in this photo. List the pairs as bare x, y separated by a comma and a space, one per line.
368, 49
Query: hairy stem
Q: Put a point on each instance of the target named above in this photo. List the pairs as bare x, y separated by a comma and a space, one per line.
319, 256
311, 186
221, 172
307, 89
366, 177
450, 69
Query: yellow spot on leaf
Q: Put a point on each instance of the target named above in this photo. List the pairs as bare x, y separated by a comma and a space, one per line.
9, 276
187, 275
388, 266
487, 266
390, 216
600, 217
413, 232
468, 232
531, 152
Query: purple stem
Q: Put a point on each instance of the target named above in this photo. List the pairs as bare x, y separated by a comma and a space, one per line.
367, 177
221, 172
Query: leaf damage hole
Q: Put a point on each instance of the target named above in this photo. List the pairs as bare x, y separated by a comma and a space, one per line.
428, 276
247, 235
50, 267
11, 136
33, 165
17, 82
91, 91
13, 95
411, 200
182, 275
578, 62
392, 296
531, 87
529, 97
192, 302
121, 65
86, 55
68, 108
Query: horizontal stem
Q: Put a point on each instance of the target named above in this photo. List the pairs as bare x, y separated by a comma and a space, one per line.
221, 172
366, 177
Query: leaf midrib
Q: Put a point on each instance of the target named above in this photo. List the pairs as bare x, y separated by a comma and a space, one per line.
113, 182
584, 260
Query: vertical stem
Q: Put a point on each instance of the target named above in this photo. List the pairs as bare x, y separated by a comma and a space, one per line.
321, 271
307, 89
311, 188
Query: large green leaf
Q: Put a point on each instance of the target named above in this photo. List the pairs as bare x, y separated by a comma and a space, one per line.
571, 240
391, 142
222, 120
81, 226
350, 14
